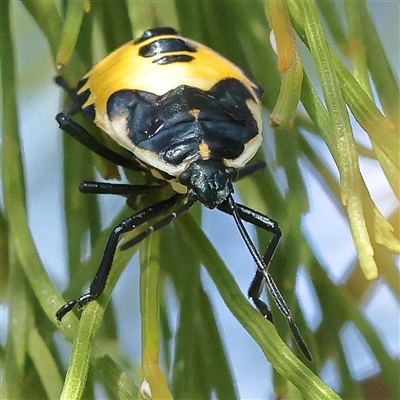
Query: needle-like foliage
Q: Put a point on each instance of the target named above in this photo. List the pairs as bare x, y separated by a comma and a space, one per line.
322, 58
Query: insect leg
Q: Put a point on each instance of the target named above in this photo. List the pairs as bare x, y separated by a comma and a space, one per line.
240, 212
266, 223
99, 281
254, 293
159, 224
250, 169
257, 284
79, 133
60, 81
116, 188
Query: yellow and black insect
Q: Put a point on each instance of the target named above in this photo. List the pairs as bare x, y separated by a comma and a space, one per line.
191, 118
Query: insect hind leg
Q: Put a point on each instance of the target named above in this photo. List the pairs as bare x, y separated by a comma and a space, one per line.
79, 133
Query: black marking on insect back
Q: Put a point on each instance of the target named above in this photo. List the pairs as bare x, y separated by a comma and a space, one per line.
164, 60
81, 83
232, 95
90, 111
173, 125
168, 45
126, 101
81, 99
135, 107
154, 32
231, 91
182, 119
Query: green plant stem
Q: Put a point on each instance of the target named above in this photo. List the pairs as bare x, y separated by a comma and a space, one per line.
13, 181
289, 63
149, 311
71, 27
89, 324
263, 332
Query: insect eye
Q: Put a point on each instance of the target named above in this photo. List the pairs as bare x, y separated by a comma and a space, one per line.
184, 178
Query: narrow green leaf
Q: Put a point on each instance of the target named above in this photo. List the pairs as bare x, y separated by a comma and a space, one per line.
289, 64
330, 13
13, 180
48, 19
340, 140
386, 83
83, 344
19, 324
337, 302
197, 324
262, 331
71, 27
357, 46
89, 324
149, 311
44, 364
4, 259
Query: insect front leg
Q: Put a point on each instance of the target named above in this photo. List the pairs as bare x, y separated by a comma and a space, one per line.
258, 281
241, 212
257, 284
254, 293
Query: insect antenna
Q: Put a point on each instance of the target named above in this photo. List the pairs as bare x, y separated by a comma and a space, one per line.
262, 267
